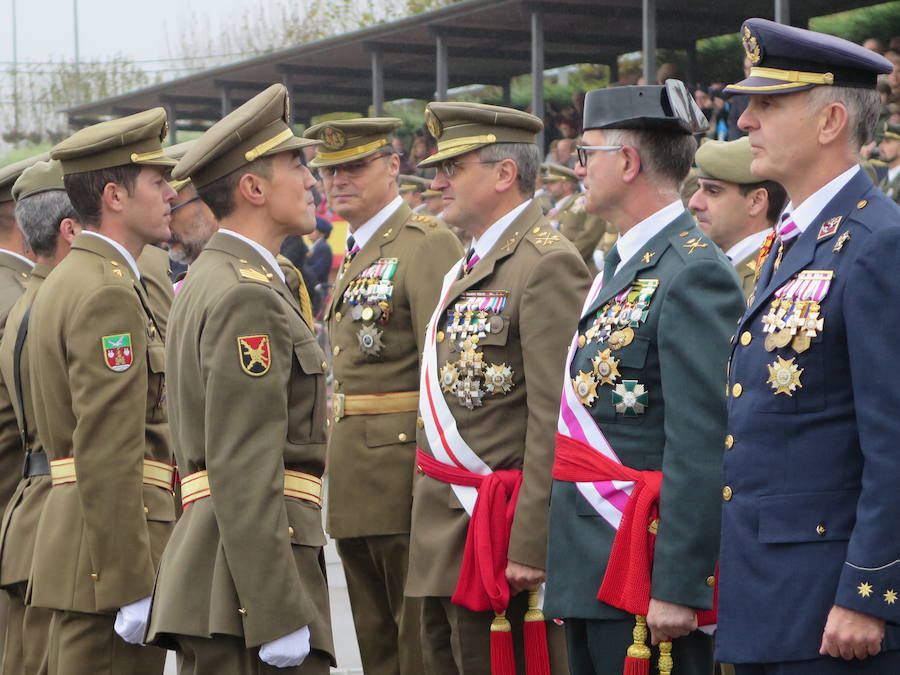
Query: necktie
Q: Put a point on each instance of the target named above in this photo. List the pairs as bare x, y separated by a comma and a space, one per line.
352, 250
610, 264
471, 260
787, 235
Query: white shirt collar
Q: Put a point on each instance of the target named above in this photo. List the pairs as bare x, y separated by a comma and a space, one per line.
814, 204
892, 173
365, 231
121, 249
630, 243
21, 257
256, 246
746, 246
486, 241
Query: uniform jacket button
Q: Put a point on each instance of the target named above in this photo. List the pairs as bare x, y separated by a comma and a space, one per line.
727, 493
737, 389
729, 442
746, 338
401, 437
710, 581
821, 531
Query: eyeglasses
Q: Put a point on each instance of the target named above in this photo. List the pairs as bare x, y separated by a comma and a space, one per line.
585, 150
448, 168
352, 169
184, 203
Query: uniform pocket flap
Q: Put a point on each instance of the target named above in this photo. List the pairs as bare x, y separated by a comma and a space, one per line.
390, 429
159, 504
156, 357
817, 516
635, 354
310, 356
305, 521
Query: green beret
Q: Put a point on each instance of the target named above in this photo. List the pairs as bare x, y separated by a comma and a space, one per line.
39, 177
176, 152
345, 141
891, 130
413, 183
135, 139
259, 128
463, 127
726, 160
10, 173
557, 173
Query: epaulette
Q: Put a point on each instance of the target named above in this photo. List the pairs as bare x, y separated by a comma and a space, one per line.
247, 273
544, 238
423, 220
692, 243
113, 270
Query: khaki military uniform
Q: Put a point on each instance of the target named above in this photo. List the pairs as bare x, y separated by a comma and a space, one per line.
372, 446
98, 384
543, 282
247, 401
586, 231
746, 271
153, 264
27, 630
891, 187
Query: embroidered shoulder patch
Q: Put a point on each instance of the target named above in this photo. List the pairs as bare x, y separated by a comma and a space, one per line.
254, 354
117, 353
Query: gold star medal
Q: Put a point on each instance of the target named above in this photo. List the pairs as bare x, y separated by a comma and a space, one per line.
585, 388
784, 376
498, 378
606, 367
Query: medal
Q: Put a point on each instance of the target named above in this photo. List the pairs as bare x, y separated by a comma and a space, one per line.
469, 393
621, 338
498, 379
367, 313
370, 340
585, 387
449, 377
782, 338
606, 367
630, 398
784, 376
800, 343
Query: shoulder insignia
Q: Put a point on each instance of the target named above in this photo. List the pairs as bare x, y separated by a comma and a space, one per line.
693, 244
508, 246
839, 244
546, 239
253, 351
117, 353
648, 256
255, 275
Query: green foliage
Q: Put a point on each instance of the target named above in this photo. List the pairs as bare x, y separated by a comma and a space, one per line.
879, 21
23, 152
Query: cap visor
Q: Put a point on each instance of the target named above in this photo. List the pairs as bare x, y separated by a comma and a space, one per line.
157, 161
293, 143
766, 85
319, 161
441, 155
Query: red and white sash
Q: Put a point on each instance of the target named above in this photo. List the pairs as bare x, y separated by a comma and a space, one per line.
444, 439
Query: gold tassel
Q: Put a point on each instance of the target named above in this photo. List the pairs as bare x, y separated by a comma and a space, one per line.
666, 664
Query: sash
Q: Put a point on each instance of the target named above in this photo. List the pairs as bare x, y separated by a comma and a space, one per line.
444, 439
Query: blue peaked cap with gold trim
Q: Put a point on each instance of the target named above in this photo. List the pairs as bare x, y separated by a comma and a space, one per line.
785, 59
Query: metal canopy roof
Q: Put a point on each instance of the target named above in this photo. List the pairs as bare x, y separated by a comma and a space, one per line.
470, 42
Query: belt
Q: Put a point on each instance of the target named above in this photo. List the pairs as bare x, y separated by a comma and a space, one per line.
36, 464
296, 484
157, 474
344, 405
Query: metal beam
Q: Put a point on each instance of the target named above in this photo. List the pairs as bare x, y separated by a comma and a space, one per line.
442, 78
648, 40
537, 71
399, 48
783, 11
378, 82
226, 100
511, 36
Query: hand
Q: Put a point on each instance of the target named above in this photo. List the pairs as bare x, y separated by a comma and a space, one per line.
131, 621
522, 577
668, 621
287, 651
851, 635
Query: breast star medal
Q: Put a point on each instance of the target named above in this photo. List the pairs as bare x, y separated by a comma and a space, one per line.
606, 367
585, 388
784, 376
449, 377
370, 340
630, 398
498, 378
469, 393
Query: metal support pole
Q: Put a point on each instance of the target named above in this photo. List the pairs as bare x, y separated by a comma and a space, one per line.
226, 100
377, 83
442, 78
783, 11
537, 71
614, 70
690, 77
649, 40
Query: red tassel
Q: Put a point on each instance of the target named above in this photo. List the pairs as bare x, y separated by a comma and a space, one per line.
534, 632
503, 658
637, 661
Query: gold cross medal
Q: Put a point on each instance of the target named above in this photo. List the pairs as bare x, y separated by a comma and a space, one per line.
498, 378
809, 325
606, 367
630, 398
585, 387
784, 376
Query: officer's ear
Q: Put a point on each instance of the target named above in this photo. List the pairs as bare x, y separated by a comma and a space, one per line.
631, 163
832, 120
757, 202
507, 174
68, 228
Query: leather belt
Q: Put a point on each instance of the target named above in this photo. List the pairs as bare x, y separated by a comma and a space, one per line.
296, 484
157, 474
36, 464
344, 405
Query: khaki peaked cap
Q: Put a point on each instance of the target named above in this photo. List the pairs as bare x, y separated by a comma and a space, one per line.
39, 177
463, 127
413, 183
259, 128
345, 141
135, 139
726, 160
176, 152
557, 173
10, 173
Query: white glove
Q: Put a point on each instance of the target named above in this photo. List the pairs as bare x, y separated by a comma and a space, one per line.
287, 651
131, 621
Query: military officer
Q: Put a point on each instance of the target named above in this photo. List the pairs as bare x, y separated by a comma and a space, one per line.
98, 385
811, 465
890, 153
642, 411
491, 377
384, 294
241, 586
588, 232
411, 189
49, 223
733, 207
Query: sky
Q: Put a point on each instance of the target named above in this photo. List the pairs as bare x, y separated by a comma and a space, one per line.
140, 30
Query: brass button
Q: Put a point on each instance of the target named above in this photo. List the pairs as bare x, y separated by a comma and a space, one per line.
440, 336
710, 581
338, 316
419, 468
746, 337
820, 530
336, 350
737, 389
420, 423
327, 421
146, 509
242, 611
862, 204
290, 530
401, 437
95, 576
729, 442
324, 365
582, 341
727, 493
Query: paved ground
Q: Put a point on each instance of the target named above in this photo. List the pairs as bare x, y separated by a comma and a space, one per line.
341, 620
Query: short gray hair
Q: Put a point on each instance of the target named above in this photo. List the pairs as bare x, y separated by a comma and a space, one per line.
526, 156
666, 158
863, 108
39, 216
